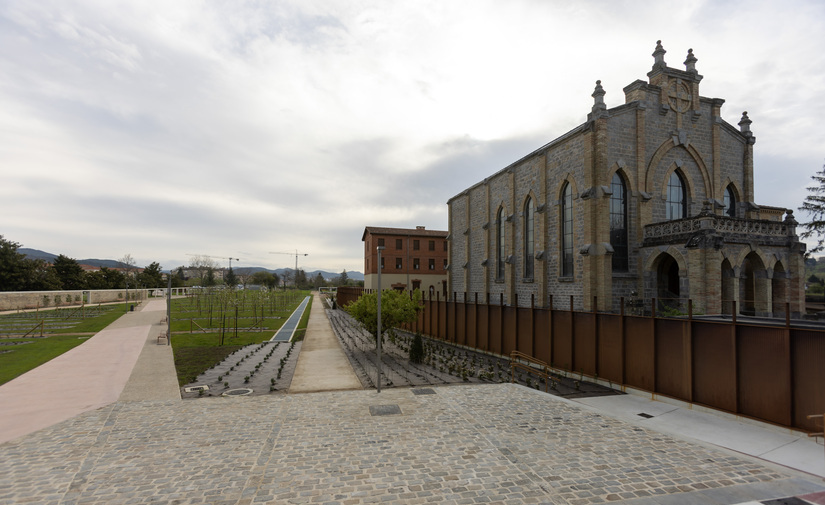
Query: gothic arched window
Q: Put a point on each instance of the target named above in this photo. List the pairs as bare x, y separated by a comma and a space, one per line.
529, 238
500, 244
567, 230
730, 201
676, 205
618, 223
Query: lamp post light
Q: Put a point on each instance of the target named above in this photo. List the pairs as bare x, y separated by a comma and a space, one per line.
378, 382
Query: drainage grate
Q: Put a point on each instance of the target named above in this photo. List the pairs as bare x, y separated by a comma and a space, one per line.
238, 392
385, 410
423, 391
646, 416
195, 389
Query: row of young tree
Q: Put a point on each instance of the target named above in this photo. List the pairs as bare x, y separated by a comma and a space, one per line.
19, 273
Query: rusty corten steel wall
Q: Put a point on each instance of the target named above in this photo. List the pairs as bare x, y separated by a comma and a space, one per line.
714, 365
673, 358
524, 339
773, 373
639, 353
562, 339
542, 342
610, 347
584, 342
808, 357
460, 336
483, 327
510, 314
495, 328
472, 325
763, 356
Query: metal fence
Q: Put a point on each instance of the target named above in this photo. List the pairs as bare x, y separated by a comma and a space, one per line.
769, 372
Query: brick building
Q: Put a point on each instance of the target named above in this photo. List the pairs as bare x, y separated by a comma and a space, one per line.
649, 199
411, 259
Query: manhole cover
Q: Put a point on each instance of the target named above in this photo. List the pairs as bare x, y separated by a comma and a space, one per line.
423, 391
385, 410
238, 392
646, 416
195, 389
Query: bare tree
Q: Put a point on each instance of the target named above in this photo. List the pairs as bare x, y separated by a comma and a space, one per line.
202, 264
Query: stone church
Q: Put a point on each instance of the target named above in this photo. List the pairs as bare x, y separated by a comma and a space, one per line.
649, 199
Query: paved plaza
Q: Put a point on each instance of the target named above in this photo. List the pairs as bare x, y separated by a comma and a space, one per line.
461, 444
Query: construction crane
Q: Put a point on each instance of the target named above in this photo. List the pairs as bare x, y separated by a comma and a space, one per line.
296, 254
219, 257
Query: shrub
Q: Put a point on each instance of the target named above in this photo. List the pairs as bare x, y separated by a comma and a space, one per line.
417, 349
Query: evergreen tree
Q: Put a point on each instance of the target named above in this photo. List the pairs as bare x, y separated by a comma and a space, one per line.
152, 276
231, 279
12, 266
814, 205
69, 272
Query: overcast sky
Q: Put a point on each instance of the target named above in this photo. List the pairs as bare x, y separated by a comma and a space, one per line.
233, 129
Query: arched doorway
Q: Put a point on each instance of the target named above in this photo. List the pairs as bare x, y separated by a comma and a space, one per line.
667, 282
779, 290
753, 286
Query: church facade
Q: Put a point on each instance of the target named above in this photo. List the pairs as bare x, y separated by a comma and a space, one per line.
650, 199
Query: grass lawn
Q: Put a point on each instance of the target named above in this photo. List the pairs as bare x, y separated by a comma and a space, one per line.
196, 350
17, 359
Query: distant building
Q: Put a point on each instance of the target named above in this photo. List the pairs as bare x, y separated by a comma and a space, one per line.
652, 198
411, 259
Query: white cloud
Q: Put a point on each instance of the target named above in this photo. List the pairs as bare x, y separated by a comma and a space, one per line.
162, 128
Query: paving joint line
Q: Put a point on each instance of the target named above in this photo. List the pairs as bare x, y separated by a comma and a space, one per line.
77, 485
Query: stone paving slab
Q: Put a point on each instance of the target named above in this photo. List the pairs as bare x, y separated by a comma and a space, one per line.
464, 444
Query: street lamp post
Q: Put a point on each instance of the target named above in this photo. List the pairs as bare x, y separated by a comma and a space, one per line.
378, 382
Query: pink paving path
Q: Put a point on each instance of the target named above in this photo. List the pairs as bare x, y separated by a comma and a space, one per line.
90, 376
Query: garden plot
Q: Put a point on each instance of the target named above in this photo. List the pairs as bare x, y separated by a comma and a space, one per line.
264, 368
444, 363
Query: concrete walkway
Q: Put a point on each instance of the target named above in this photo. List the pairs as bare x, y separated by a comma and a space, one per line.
92, 375
322, 364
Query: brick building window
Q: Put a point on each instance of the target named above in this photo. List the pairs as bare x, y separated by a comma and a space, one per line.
445, 263
416, 245
381, 242
730, 201
618, 223
445, 246
566, 230
432, 264
676, 205
399, 243
382, 262
432, 245
529, 238
399, 263
500, 244
416, 264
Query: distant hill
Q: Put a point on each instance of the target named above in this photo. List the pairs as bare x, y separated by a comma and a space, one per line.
49, 257
356, 276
